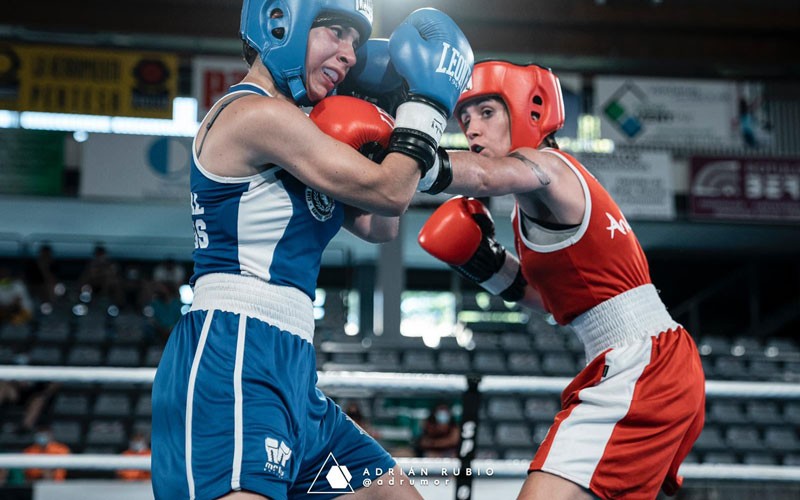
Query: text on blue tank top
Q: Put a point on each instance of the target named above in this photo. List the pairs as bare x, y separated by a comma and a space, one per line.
271, 226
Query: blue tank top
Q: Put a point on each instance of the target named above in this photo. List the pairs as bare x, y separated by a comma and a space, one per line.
269, 225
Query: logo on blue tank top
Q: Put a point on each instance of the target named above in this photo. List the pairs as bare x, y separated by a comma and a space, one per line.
320, 205
277, 456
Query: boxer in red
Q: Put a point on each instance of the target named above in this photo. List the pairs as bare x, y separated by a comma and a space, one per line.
630, 417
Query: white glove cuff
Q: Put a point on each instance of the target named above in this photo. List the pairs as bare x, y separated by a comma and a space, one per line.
422, 117
503, 278
430, 176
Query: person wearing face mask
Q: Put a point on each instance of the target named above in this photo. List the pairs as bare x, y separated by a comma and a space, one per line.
136, 447
631, 416
44, 444
440, 433
236, 410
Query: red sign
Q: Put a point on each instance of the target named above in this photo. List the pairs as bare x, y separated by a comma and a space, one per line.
765, 189
212, 77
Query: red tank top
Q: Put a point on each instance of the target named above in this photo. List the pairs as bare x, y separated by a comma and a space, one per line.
600, 261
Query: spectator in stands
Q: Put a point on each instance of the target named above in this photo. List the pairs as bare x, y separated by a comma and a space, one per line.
166, 309
45, 444
137, 288
101, 276
138, 446
36, 397
41, 275
440, 433
353, 410
16, 306
170, 271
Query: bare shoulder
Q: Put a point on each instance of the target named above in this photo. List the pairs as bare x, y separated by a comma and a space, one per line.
250, 133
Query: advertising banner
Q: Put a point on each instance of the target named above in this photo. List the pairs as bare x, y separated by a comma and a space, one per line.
211, 78
136, 167
83, 80
668, 113
642, 184
31, 162
760, 189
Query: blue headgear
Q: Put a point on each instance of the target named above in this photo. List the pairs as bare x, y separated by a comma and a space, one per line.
282, 40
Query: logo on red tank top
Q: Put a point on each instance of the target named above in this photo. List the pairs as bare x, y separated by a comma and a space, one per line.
615, 225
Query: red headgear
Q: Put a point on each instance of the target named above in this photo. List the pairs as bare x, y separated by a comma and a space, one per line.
531, 93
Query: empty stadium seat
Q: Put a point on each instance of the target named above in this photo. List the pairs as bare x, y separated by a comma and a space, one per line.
485, 438
67, 432
513, 341
15, 333
726, 411
741, 437
85, 355
559, 364
489, 362
730, 367
153, 355
384, 360
45, 355
549, 340
782, 439
144, 405
507, 434
53, 331
519, 454
91, 332
419, 360
524, 363
719, 457
791, 413
756, 458
763, 412
114, 405
504, 408
541, 408
710, 439
540, 432
71, 404
106, 432
451, 361
123, 356
765, 369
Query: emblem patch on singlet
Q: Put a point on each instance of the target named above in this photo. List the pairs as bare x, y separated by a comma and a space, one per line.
320, 205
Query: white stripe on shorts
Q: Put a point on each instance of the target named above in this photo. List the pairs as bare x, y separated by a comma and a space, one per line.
237, 405
582, 437
198, 353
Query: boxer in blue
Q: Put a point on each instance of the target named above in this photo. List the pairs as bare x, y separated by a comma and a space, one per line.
236, 410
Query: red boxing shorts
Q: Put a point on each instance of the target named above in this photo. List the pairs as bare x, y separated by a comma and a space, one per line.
629, 419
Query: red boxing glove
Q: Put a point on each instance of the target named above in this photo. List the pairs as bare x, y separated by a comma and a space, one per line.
353, 121
461, 234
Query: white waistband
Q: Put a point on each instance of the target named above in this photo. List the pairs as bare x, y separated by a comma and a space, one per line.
281, 306
624, 319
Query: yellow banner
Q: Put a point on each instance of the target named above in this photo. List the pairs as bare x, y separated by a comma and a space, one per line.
87, 81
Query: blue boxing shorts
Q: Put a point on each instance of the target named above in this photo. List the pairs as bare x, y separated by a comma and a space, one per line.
236, 407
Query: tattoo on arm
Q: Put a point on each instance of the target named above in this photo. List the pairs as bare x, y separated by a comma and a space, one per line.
537, 170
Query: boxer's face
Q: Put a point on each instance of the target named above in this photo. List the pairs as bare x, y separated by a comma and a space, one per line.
331, 53
486, 126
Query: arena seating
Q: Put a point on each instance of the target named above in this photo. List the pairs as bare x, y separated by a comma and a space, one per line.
101, 417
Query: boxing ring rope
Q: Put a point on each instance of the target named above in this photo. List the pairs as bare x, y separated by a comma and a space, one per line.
398, 382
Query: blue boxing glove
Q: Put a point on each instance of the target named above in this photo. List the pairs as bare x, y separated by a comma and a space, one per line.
433, 56
373, 78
